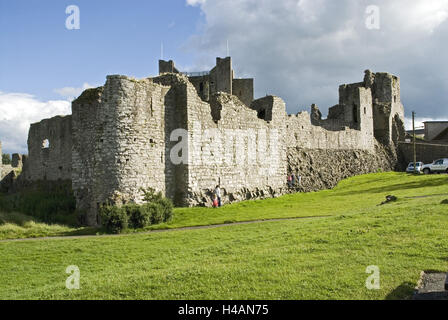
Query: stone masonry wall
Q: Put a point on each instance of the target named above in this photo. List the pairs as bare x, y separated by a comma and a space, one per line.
124, 126
322, 169
49, 150
334, 134
235, 149
124, 136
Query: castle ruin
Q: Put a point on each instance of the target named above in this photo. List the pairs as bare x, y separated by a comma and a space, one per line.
183, 134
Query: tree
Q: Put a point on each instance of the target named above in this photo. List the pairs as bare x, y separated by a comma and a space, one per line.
6, 158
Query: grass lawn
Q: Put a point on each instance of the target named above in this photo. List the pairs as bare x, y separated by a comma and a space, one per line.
316, 258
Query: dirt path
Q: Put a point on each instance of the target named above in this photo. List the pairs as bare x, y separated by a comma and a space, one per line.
162, 230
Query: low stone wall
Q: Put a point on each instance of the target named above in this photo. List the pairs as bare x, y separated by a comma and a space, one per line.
426, 152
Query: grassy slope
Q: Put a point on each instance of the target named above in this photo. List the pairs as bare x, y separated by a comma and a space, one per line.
359, 192
301, 259
349, 196
16, 225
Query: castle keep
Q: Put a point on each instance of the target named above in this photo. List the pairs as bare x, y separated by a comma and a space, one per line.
183, 134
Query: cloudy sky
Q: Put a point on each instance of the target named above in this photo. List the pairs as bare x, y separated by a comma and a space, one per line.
300, 50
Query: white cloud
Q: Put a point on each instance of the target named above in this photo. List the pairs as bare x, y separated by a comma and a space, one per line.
70, 93
420, 15
302, 50
195, 2
18, 111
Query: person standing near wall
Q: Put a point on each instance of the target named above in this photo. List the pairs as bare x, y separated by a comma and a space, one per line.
218, 195
290, 181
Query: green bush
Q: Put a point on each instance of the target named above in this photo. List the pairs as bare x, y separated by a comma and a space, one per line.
114, 219
157, 209
167, 206
139, 216
156, 212
150, 195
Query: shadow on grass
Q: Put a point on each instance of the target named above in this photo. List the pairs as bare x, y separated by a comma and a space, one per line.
399, 186
83, 231
405, 291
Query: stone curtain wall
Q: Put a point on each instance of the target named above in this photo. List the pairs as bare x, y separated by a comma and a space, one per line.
323, 152
124, 137
426, 152
334, 134
49, 150
235, 149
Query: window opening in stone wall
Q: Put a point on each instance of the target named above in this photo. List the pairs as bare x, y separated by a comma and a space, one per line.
365, 110
355, 114
261, 114
45, 144
201, 87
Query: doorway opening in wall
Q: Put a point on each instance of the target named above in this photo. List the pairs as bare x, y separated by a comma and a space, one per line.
45, 144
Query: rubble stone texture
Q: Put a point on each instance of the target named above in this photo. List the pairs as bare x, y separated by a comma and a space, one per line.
122, 137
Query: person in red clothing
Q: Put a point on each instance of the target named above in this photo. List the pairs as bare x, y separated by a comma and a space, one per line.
215, 201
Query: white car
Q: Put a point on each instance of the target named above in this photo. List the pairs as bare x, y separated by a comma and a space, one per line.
437, 166
418, 167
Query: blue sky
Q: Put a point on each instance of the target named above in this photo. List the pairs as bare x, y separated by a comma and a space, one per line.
38, 54
299, 50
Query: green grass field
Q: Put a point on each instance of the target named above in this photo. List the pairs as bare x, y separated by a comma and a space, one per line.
314, 258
